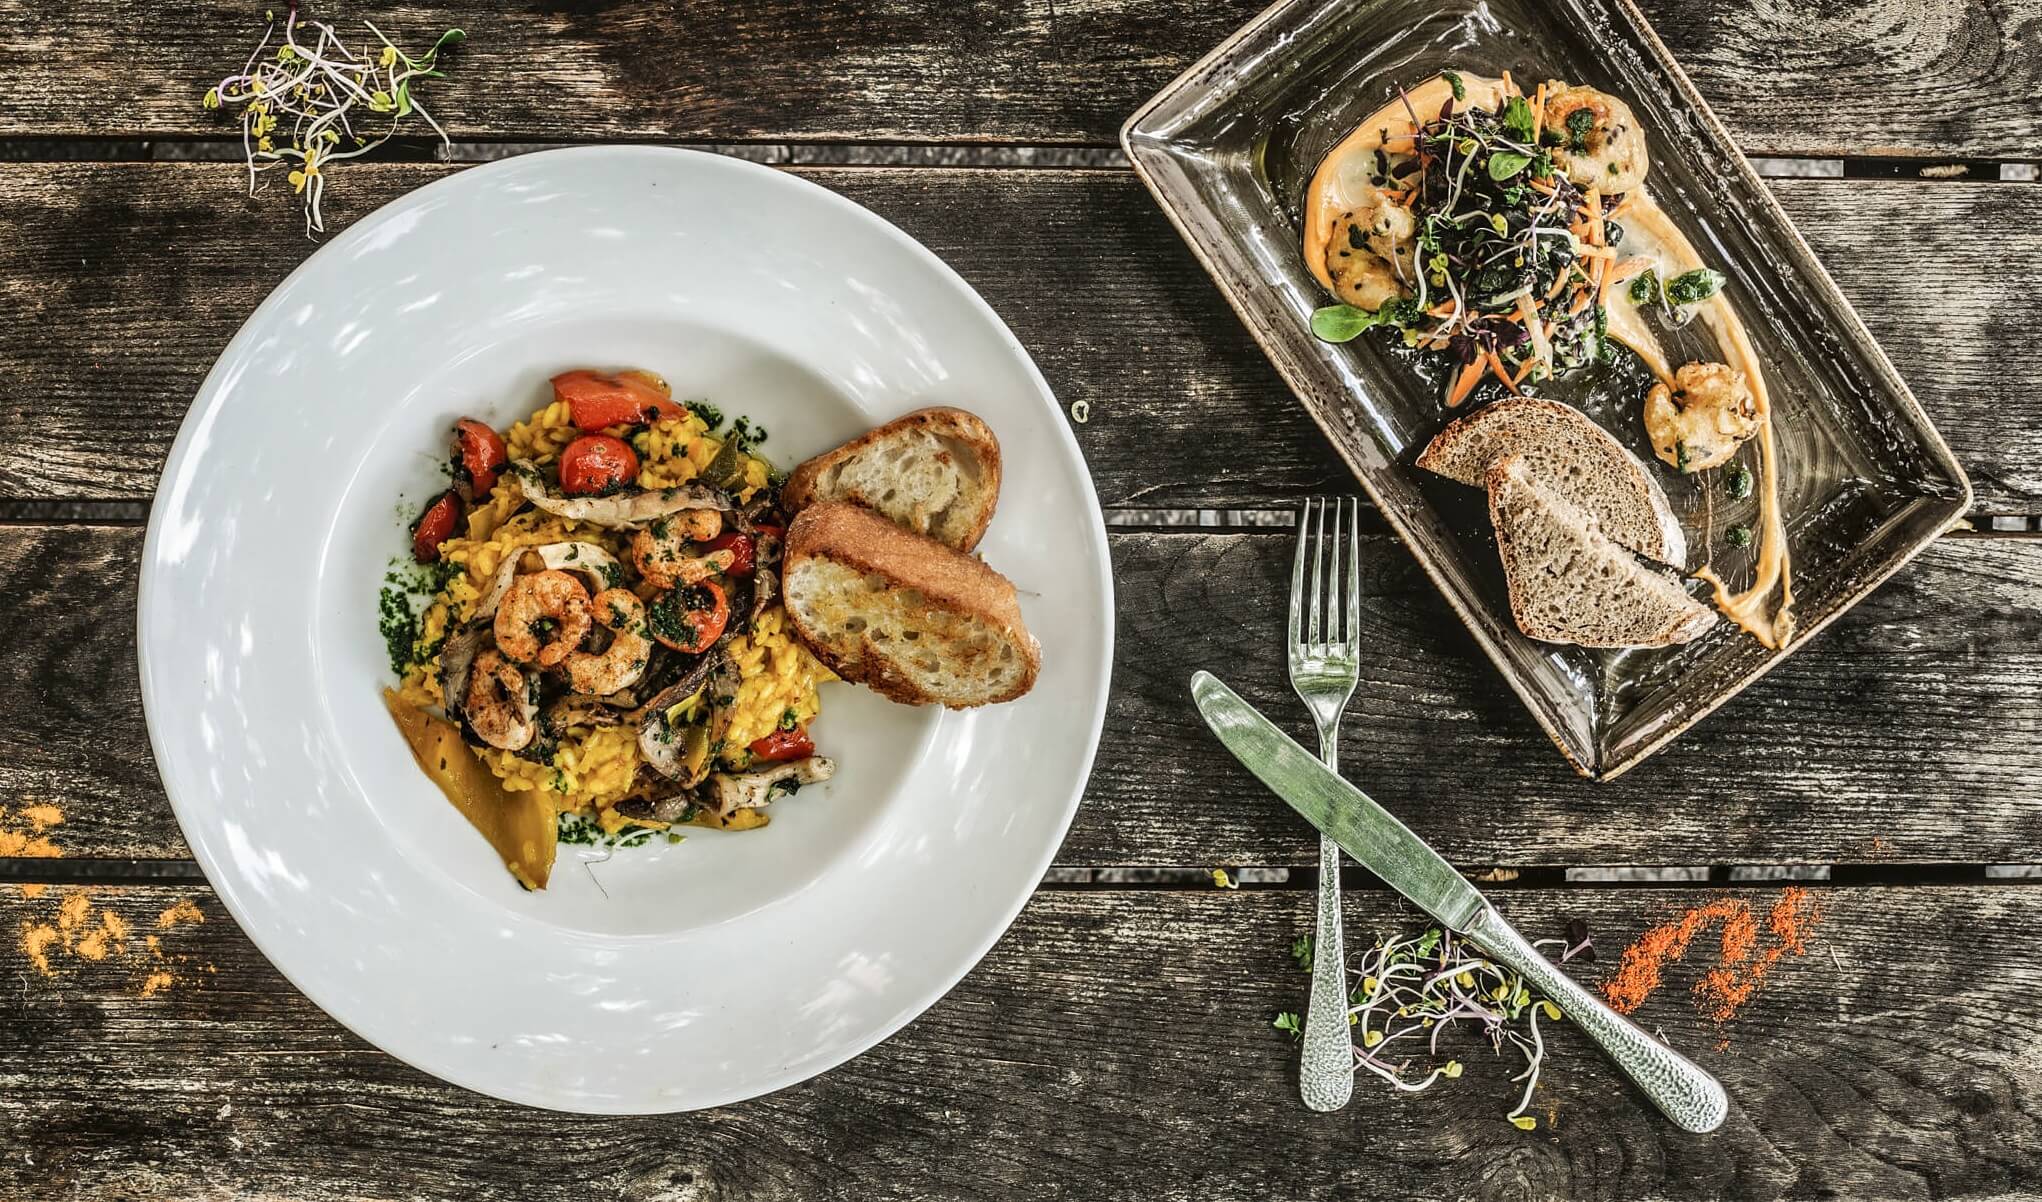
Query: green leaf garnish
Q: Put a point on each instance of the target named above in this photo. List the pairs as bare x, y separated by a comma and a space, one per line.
1517, 119
1343, 323
1507, 164
1453, 80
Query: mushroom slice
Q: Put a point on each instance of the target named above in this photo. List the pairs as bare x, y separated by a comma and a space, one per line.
663, 802
619, 511
686, 753
457, 658
581, 711
728, 792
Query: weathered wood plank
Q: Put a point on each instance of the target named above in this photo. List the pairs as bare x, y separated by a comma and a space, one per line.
1113, 1046
1792, 77
1910, 731
133, 276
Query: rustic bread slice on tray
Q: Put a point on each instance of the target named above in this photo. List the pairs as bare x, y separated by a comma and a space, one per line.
1570, 582
934, 471
1569, 453
913, 619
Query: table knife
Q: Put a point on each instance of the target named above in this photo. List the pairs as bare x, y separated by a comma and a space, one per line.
1682, 1089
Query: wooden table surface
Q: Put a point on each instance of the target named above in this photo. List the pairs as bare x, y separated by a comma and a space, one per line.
1117, 1043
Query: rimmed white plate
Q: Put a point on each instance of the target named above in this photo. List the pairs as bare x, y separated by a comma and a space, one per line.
668, 977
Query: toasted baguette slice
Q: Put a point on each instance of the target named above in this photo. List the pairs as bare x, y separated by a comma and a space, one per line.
902, 613
934, 471
1570, 582
1574, 457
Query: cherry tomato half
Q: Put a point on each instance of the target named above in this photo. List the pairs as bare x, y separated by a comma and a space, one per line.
596, 463
689, 619
597, 402
784, 745
479, 457
435, 526
742, 548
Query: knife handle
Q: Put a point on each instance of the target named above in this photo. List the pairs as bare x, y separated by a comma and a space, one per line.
1685, 1091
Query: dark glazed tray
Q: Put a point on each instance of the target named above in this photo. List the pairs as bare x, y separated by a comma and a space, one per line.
1866, 480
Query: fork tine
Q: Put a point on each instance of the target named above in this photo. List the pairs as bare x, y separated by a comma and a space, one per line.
1354, 577
1335, 621
1318, 571
1297, 575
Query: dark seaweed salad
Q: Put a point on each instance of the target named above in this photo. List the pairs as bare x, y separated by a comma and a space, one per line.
1507, 274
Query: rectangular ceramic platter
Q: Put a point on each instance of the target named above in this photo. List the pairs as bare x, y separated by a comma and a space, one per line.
1866, 481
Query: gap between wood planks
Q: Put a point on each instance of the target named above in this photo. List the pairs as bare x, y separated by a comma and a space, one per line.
924, 154
1126, 520
1189, 878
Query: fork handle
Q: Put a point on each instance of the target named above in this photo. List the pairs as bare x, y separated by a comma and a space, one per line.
1684, 1090
1326, 1072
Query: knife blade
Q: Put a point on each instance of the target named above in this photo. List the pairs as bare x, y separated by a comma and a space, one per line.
1363, 829
1682, 1089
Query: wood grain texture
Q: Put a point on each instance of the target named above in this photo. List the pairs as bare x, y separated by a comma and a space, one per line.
1114, 1046
1910, 731
122, 282
1787, 76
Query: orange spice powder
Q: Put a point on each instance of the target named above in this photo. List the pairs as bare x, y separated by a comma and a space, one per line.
1745, 952
99, 935
182, 911
31, 843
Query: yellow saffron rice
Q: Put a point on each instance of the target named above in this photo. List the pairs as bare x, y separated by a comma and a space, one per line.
594, 766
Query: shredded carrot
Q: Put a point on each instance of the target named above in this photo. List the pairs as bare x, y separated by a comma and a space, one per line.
1581, 299
1524, 371
1538, 113
1595, 274
1441, 309
1465, 383
1509, 85
1618, 273
1502, 373
1595, 252
1566, 277
1539, 185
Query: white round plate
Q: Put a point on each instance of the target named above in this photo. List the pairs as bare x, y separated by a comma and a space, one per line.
667, 977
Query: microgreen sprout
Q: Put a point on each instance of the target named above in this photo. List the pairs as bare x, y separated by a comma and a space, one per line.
308, 103
1409, 991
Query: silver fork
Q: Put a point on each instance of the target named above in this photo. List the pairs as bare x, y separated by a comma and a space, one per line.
1325, 663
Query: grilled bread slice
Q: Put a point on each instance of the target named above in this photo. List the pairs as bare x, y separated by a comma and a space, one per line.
1570, 582
934, 471
902, 613
1568, 453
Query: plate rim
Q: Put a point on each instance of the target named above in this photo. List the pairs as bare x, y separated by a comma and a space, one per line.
205, 402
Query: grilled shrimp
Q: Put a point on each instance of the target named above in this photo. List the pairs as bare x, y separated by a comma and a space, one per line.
618, 667
542, 617
1701, 421
1600, 143
499, 703
1372, 255
660, 551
